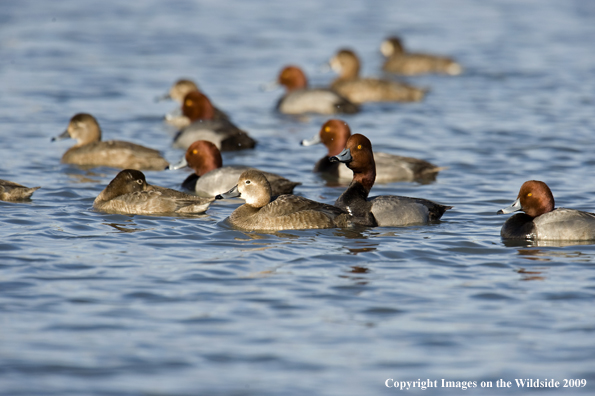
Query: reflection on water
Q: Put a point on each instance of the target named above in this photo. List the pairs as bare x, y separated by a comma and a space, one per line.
530, 275
541, 243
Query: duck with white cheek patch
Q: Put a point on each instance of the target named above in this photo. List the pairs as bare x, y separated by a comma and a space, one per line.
285, 212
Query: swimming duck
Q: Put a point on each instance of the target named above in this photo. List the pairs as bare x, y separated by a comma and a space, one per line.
129, 193
401, 62
11, 191
89, 150
389, 168
300, 99
178, 92
285, 212
225, 135
360, 90
211, 178
384, 210
541, 221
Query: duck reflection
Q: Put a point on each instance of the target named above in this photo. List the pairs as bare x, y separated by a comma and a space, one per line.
122, 228
530, 275
355, 273
531, 243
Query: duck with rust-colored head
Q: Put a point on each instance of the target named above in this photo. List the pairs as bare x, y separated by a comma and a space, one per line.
360, 90
178, 92
211, 178
223, 134
90, 150
389, 168
11, 191
399, 61
383, 210
285, 212
299, 99
542, 221
129, 193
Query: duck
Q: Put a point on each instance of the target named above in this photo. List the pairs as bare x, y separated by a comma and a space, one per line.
90, 150
129, 193
399, 61
541, 220
224, 134
178, 92
361, 90
299, 99
285, 212
383, 210
389, 168
11, 191
211, 178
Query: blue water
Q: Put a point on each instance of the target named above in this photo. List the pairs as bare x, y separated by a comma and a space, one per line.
100, 304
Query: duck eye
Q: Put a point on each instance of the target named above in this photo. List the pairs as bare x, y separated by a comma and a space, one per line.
359, 146
327, 129
194, 151
189, 103
247, 181
530, 194
139, 181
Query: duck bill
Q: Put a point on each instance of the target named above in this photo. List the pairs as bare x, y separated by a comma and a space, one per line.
270, 86
163, 97
233, 193
182, 164
311, 142
343, 156
63, 135
516, 206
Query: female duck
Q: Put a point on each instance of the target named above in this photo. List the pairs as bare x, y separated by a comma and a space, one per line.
178, 92
285, 212
300, 99
360, 90
384, 210
129, 193
401, 62
389, 168
11, 191
91, 151
541, 221
223, 134
211, 178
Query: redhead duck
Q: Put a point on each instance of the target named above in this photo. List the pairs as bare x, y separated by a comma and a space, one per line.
129, 193
11, 191
384, 210
300, 99
401, 62
285, 212
89, 150
225, 135
359, 90
178, 92
389, 168
211, 178
541, 221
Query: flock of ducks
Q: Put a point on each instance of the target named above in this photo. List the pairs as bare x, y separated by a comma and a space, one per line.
205, 131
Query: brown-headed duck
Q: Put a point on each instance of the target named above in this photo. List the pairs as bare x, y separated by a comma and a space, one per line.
384, 210
399, 61
389, 168
129, 193
360, 90
178, 92
299, 99
211, 178
89, 150
542, 221
285, 212
223, 134
11, 191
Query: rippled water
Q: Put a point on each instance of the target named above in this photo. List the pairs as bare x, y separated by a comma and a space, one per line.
101, 304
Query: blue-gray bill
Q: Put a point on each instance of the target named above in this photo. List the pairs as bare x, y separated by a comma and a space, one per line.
343, 156
516, 206
233, 193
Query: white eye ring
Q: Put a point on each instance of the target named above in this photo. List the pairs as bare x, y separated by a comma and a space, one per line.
139, 181
247, 181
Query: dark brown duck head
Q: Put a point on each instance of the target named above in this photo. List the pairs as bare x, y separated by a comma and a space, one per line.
359, 157
333, 134
292, 78
126, 182
535, 198
197, 106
